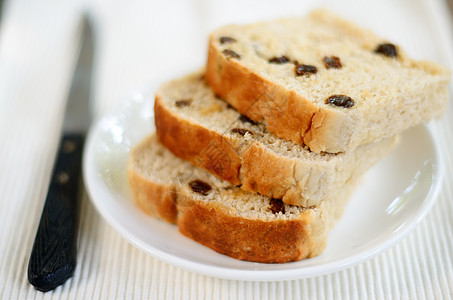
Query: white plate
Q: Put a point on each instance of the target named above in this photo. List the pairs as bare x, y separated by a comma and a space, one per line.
393, 198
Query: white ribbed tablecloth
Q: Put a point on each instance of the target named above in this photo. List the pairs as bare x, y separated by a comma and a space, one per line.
141, 44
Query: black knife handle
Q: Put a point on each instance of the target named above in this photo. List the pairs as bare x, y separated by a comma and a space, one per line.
54, 254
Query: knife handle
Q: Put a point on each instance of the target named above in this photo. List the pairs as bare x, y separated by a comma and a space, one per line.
54, 254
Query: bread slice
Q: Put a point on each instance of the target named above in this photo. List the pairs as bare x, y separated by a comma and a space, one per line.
323, 82
224, 218
204, 130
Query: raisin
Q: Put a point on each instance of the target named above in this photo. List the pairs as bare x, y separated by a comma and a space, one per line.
277, 206
183, 102
231, 54
200, 187
340, 100
332, 62
245, 119
226, 40
387, 50
241, 131
279, 60
306, 70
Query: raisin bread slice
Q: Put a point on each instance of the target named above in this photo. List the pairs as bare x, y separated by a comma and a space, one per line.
322, 81
224, 218
206, 131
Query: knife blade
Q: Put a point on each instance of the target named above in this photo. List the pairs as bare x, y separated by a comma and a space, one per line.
53, 257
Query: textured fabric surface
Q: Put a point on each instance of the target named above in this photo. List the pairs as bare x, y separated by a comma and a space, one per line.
141, 44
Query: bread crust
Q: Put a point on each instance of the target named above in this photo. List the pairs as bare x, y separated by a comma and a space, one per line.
202, 147
155, 199
276, 241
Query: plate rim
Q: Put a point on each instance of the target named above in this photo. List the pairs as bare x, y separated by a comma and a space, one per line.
94, 193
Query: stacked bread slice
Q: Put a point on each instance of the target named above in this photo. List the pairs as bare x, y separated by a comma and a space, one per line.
323, 82
256, 155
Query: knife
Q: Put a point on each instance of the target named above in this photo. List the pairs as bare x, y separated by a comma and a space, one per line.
54, 253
